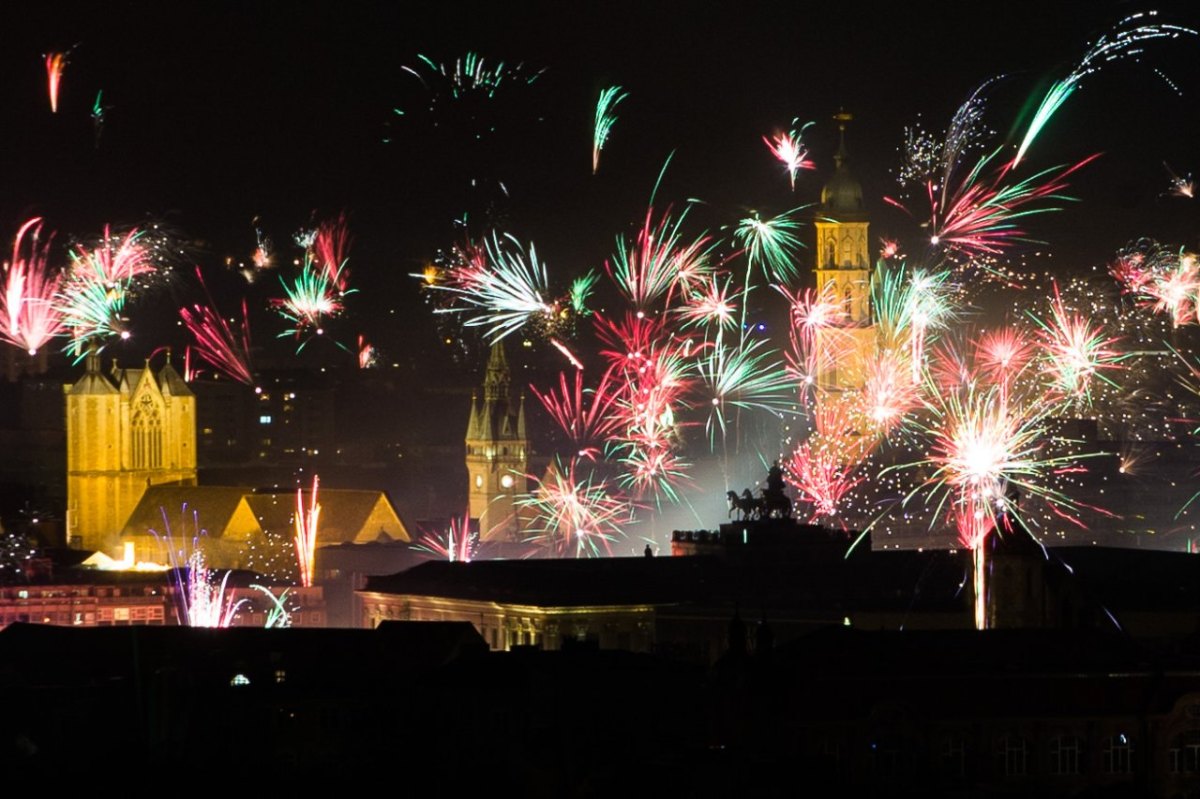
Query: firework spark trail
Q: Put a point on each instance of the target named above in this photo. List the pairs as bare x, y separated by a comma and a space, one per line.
1183, 186
788, 147
587, 424
99, 110
658, 261
576, 514
710, 306
1163, 280
30, 316
115, 260
1124, 41
330, 246
747, 376
772, 244
889, 393
92, 311
820, 477
55, 64
582, 289
457, 544
306, 522
310, 297
1001, 357
216, 342
978, 216
1076, 351
506, 289
472, 74
201, 600
828, 465
930, 310
367, 355
605, 119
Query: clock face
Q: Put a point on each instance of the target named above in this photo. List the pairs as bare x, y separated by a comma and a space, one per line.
506, 481
479, 481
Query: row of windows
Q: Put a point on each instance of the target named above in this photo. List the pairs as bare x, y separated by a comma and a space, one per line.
1014, 756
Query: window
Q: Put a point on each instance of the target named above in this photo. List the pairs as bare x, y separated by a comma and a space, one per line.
1064, 754
146, 430
1012, 755
239, 680
1184, 755
953, 756
264, 419
1117, 757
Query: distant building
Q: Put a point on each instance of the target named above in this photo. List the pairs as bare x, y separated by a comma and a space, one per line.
844, 275
254, 530
125, 432
497, 452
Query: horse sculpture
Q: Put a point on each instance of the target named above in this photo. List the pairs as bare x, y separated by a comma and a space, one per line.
746, 505
776, 506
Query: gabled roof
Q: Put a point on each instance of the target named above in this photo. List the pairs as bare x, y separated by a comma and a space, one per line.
212, 507
346, 515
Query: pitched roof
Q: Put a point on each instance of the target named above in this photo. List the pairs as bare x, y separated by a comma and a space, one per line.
211, 507
346, 515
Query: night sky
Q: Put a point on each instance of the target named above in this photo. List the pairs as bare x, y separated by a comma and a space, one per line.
221, 114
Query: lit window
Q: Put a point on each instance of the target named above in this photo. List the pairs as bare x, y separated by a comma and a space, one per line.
239, 680
280, 676
479, 481
264, 419
506, 481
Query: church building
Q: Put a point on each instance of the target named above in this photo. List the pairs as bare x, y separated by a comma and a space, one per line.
126, 431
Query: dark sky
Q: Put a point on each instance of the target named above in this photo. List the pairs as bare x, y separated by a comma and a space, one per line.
221, 113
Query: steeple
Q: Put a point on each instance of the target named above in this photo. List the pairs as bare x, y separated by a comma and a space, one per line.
842, 197
497, 453
496, 383
844, 272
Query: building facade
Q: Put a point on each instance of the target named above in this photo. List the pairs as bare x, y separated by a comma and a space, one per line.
497, 451
125, 431
844, 276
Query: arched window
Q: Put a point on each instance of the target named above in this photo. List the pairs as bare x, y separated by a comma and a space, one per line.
147, 434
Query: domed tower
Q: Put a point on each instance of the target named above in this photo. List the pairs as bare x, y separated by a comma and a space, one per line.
844, 274
497, 451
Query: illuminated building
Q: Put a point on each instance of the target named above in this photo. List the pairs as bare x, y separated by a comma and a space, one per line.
844, 276
497, 452
125, 433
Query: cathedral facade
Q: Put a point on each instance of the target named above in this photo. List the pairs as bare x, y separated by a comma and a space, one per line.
126, 431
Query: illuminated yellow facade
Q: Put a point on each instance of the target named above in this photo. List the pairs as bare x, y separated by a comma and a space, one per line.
507, 624
125, 431
844, 275
497, 451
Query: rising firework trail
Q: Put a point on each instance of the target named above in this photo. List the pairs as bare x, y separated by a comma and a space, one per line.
605, 119
307, 521
55, 64
1125, 41
29, 315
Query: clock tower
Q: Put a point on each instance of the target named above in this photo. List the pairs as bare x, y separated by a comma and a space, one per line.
497, 453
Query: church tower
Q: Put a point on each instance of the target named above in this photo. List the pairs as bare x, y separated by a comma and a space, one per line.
497, 451
844, 275
125, 432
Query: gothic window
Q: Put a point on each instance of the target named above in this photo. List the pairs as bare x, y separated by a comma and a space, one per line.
830, 257
848, 303
146, 429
